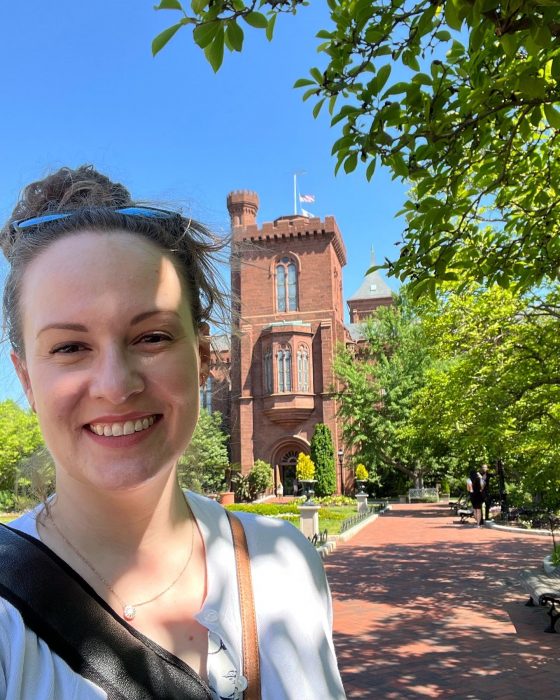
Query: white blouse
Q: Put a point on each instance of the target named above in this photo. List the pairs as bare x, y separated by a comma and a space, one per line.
293, 610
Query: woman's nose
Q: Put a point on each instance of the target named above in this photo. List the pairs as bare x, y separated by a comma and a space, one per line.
116, 377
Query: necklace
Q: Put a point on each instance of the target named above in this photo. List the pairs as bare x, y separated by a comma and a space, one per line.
129, 609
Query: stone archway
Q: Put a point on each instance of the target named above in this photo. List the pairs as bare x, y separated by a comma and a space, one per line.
285, 458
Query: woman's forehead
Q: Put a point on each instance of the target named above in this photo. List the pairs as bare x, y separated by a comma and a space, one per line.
107, 270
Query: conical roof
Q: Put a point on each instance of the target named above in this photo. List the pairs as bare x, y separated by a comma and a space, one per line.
373, 286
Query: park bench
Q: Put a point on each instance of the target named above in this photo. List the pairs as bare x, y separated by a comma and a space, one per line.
461, 502
465, 514
544, 589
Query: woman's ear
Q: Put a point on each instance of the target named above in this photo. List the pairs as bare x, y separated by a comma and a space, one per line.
204, 351
23, 374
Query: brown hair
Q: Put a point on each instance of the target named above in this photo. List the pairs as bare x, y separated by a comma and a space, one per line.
92, 199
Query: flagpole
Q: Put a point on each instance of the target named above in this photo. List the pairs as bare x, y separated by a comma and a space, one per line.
295, 194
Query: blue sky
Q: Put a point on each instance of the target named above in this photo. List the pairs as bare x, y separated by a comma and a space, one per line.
79, 85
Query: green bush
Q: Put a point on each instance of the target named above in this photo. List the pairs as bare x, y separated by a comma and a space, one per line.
260, 478
7, 501
322, 454
266, 508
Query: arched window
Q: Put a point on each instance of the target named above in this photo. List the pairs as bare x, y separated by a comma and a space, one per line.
206, 394
268, 381
286, 285
303, 368
284, 367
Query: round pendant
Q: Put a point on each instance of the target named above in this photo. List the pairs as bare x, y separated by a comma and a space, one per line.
129, 612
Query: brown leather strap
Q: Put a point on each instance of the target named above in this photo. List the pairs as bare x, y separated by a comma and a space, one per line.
251, 666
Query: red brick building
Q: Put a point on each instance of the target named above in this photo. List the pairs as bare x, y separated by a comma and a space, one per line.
288, 317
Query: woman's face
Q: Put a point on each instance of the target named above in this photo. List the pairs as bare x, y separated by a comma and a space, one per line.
112, 361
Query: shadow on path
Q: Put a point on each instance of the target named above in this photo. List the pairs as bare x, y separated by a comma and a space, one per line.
425, 608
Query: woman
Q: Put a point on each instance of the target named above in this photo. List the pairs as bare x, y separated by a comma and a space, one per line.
107, 305
476, 494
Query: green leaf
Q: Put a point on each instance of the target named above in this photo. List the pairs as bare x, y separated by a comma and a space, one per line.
234, 35
256, 19
371, 169
350, 163
270, 27
214, 52
317, 108
161, 39
204, 34
552, 116
382, 76
169, 5
303, 82
198, 5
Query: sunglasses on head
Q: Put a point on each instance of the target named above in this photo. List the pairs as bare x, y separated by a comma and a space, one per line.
149, 212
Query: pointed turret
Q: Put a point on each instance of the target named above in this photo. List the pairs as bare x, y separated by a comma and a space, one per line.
372, 293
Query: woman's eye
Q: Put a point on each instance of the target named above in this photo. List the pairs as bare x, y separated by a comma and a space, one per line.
67, 349
153, 338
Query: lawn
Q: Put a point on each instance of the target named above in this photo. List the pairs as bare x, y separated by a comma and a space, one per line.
330, 517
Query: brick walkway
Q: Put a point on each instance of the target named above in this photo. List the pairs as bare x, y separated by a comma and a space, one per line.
427, 608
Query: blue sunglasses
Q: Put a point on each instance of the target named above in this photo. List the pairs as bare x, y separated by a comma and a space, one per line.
150, 212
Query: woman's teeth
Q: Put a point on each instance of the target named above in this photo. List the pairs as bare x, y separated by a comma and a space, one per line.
118, 429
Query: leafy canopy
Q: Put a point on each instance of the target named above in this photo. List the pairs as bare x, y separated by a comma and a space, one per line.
457, 98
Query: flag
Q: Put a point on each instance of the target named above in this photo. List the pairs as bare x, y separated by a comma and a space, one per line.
308, 198
308, 214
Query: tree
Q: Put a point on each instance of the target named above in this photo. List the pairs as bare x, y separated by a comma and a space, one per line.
322, 455
493, 392
379, 385
455, 97
203, 465
20, 436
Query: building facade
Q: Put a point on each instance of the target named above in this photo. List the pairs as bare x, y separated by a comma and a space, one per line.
288, 318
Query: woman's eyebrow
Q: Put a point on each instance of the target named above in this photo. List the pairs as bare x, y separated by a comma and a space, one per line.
80, 328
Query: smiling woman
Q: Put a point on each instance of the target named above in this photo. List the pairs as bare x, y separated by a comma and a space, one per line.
107, 305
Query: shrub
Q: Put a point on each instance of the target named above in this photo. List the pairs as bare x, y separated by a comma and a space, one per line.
336, 501
361, 473
305, 469
322, 455
260, 478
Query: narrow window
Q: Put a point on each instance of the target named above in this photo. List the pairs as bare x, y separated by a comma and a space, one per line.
281, 287
286, 285
303, 368
268, 371
292, 287
284, 358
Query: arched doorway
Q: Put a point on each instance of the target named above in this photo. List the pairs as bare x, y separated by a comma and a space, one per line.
287, 469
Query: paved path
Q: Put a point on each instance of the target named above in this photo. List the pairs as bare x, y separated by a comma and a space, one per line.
427, 608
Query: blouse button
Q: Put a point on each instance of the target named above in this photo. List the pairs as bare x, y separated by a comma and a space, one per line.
240, 684
210, 615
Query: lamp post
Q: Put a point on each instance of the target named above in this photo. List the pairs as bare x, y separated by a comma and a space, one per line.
340, 462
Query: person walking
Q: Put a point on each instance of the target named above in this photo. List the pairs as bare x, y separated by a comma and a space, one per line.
476, 496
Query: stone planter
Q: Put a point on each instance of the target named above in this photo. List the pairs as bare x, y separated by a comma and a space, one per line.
308, 491
227, 498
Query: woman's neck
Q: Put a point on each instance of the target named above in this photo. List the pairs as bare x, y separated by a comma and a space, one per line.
129, 520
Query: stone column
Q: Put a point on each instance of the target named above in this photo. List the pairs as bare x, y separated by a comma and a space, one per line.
362, 502
309, 520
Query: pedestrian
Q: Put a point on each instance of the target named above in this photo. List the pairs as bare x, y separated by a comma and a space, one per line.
476, 496
122, 585
486, 496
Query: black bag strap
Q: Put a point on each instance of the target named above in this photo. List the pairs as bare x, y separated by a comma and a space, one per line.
64, 611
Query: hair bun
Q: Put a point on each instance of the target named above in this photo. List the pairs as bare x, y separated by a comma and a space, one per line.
65, 190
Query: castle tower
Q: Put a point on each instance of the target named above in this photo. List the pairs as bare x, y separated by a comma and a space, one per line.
288, 317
